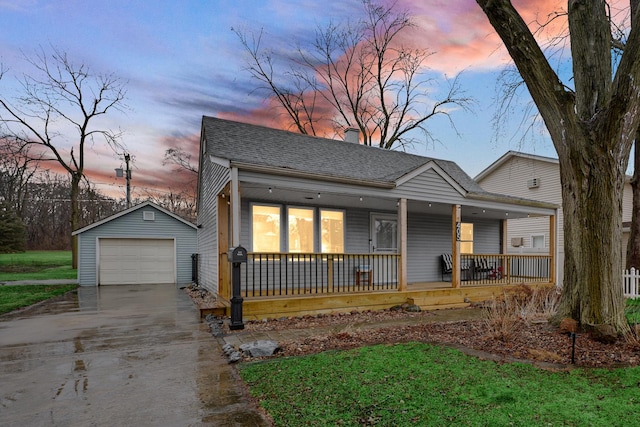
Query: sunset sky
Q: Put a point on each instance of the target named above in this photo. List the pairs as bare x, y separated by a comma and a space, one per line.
182, 61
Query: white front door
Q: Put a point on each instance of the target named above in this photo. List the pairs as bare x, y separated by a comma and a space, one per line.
384, 240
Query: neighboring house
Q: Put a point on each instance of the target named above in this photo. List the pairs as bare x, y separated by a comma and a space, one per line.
537, 177
145, 244
335, 225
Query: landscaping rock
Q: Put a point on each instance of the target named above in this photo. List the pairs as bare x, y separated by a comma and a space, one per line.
605, 334
260, 348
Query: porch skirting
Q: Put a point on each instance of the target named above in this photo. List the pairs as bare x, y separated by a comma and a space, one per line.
421, 295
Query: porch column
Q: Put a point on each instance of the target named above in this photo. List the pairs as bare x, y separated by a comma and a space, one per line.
503, 243
552, 249
235, 208
402, 245
455, 245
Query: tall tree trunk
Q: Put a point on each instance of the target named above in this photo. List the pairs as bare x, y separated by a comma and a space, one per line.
592, 188
75, 216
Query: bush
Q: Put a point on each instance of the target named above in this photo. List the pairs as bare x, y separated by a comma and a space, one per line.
12, 231
505, 315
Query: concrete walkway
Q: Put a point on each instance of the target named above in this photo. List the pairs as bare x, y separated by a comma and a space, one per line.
117, 356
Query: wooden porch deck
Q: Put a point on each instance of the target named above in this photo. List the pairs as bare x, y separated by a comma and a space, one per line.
428, 295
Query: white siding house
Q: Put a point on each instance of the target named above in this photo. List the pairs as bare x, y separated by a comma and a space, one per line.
536, 177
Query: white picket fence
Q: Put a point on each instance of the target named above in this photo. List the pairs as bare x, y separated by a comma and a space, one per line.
631, 283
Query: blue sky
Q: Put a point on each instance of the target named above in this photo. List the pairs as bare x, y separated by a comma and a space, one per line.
181, 61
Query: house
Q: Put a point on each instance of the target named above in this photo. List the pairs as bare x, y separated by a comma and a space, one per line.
332, 225
144, 244
538, 177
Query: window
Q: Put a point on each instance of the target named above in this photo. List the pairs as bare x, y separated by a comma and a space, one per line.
384, 233
303, 234
331, 231
265, 222
537, 241
300, 221
466, 238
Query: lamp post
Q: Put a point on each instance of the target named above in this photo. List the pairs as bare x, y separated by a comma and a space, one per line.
120, 174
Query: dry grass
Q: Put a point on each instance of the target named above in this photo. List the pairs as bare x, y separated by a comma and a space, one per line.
506, 315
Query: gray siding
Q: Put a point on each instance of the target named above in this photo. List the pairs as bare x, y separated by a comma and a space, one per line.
214, 178
132, 225
429, 236
429, 186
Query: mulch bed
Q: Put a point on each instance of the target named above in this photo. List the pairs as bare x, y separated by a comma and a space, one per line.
535, 341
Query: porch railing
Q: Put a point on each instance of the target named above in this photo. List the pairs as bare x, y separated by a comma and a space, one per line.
504, 269
279, 274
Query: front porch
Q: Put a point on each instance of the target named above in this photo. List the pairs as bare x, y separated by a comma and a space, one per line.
283, 284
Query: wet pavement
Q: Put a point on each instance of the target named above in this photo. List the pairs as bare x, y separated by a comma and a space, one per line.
117, 356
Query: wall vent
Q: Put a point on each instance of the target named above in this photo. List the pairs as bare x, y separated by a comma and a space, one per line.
148, 216
516, 242
533, 183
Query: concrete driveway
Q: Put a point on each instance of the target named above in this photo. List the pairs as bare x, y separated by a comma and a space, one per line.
117, 356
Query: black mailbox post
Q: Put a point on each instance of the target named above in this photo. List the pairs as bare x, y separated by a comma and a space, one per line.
237, 256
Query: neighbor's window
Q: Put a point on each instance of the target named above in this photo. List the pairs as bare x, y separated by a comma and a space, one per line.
537, 241
300, 222
332, 231
266, 228
466, 238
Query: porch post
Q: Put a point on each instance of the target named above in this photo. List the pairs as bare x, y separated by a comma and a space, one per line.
504, 242
235, 208
455, 245
552, 249
402, 245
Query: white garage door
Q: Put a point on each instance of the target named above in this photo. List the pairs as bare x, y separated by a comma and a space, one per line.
136, 261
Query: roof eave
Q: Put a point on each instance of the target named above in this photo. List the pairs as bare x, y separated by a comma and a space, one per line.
310, 175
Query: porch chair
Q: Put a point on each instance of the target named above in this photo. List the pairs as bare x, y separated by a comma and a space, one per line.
363, 271
446, 265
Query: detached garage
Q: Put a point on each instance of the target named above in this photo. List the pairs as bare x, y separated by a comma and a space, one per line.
145, 244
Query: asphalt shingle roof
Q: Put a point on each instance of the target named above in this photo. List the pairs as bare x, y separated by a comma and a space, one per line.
274, 148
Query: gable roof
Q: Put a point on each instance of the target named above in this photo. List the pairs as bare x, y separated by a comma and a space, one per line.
128, 211
283, 152
509, 155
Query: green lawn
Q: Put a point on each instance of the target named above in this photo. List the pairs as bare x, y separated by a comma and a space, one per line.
14, 297
36, 265
426, 385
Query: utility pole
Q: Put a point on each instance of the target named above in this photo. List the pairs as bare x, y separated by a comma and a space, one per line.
120, 174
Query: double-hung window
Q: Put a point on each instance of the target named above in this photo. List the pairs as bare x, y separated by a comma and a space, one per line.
466, 238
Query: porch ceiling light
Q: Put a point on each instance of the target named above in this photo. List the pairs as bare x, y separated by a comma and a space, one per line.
506, 214
270, 190
360, 198
318, 195
429, 204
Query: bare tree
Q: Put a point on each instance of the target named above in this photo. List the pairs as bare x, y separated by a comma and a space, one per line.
57, 96
18, 165
592, 128
356, 75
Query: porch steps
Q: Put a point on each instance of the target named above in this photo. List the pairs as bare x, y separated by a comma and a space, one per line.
221, 308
